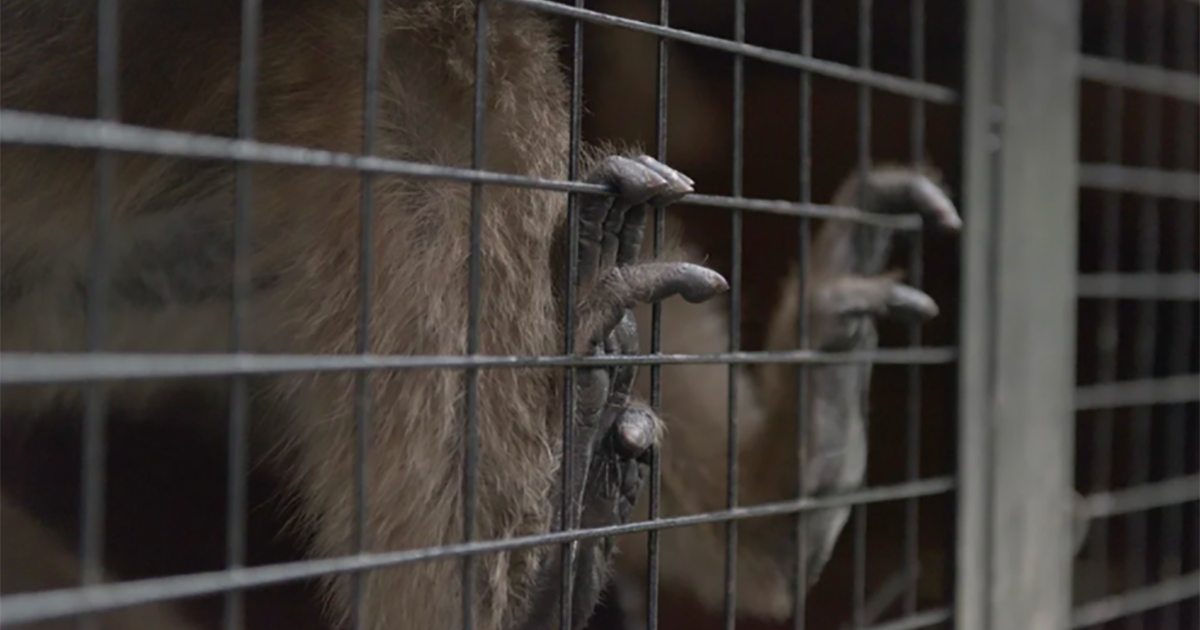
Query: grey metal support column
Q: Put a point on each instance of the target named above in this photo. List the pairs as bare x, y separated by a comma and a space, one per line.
1018, 334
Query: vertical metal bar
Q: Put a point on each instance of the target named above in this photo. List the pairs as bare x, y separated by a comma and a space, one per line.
1182, 319
1108, 333
362, 408
981, 137
1035, 328
1030, 434
1012, 568
660, 221
803, 236
471, 454
864, 165
567, 549
735, 316
95, 434
916, 275
239, 402
1147, 312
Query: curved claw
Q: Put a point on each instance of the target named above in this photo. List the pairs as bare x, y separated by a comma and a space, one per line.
679, 184
640, 179
612, 226
909, 303
899, 190
653, 282
858, 248
624, 287
932, 201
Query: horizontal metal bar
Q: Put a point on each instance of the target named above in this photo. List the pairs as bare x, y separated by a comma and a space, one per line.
1141, 181
915, 622
40, 129
877, 80
32, 368
1184, 86
1139, 286
1143, 497
1137, 600
1170, 390
815, 211
65, 602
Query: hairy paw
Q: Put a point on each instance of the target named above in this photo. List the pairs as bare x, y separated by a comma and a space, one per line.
844, 308
877, 297
619, 466
613, 435
611, 227
899, 190
616, 434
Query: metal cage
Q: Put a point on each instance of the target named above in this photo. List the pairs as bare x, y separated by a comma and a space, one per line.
1138, 288
1042, 277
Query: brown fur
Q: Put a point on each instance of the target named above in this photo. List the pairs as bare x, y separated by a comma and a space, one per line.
179, 63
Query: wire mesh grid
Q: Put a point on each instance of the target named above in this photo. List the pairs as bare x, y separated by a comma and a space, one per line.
109, 137
1138, 289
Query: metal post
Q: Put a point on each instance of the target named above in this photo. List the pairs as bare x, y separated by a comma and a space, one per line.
1017, 370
